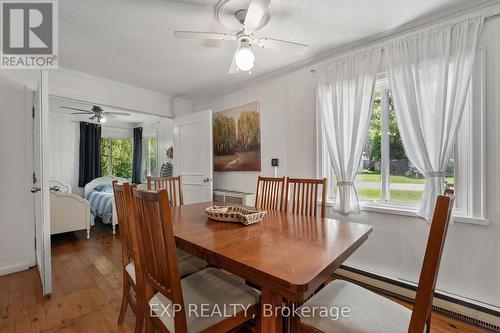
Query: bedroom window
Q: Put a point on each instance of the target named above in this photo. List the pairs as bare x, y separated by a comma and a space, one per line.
116, 157
149, 156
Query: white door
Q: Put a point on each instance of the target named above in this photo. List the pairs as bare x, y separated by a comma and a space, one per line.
193, 155
40, 189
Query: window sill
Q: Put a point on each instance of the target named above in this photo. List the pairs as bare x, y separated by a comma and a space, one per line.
411, 211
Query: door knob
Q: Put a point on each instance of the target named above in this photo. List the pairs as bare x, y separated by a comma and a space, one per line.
35, 189
206, 180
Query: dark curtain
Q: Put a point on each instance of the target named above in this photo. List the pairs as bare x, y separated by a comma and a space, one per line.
90, 153
137, 158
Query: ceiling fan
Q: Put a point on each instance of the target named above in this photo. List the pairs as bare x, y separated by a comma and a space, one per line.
97, 113
250, 19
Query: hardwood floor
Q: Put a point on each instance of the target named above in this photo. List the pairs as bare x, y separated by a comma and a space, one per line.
86, 295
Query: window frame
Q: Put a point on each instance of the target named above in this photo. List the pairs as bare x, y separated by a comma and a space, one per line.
145, 136
469, 155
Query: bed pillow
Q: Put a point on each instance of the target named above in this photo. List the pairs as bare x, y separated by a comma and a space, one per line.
104, 188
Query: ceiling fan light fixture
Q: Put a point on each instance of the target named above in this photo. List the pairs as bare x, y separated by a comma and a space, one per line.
244, 59
101, 120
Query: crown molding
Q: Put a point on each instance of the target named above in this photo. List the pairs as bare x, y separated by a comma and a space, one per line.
467, 8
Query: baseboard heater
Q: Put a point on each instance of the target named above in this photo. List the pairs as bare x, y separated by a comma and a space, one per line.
477, 314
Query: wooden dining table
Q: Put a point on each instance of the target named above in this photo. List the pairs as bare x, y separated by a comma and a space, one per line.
288, 256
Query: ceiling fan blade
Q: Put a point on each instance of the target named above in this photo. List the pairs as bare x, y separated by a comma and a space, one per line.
233, 68
76, 109
87, 113
204, 35
277, 44
256, 11
116, 113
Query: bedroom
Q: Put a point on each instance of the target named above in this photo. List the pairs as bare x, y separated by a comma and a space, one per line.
266, 104
116, 152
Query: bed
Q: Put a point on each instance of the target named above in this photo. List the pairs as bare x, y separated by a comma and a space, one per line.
68, 211
99, 193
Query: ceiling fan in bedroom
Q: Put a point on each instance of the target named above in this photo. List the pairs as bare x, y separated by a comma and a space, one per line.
97, 112
248, 20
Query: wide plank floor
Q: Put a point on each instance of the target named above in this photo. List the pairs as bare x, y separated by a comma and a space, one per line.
86, 297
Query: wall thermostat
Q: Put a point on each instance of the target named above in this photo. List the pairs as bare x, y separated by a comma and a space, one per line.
274, 162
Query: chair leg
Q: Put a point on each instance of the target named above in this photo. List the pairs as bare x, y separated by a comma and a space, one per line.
125, 298
140, 314
149, 325
428, 322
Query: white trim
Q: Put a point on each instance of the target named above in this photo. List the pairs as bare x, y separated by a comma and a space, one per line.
385, 149
14, 268
410, 210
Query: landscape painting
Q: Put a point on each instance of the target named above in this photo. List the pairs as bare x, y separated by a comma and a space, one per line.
237, 138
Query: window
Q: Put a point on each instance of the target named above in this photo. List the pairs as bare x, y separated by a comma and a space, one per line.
385, 173
116, 157
149, 156
388, 182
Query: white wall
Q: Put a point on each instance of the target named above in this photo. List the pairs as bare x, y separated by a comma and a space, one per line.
16, 202
287, 128
63, 153
95, 90
471, 260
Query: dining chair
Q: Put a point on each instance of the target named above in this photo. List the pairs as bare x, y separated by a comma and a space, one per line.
173, 185
270, 193
370, 312
304, 196
209, 288
132, 275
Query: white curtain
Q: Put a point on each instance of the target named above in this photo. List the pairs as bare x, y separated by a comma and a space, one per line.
345, 91
429, 75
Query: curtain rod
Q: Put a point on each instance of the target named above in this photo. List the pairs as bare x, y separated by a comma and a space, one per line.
487, 18
102, 125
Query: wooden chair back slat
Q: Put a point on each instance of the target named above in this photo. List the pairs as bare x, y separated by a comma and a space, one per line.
173, 185
160, 266
270, 193
304, 198
432, 259
127, 228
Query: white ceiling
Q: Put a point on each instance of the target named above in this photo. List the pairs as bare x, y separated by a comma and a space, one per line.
132, 41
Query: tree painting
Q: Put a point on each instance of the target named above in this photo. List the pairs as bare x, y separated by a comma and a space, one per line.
236, 138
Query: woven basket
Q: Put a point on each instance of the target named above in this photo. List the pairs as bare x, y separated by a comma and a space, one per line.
235, 214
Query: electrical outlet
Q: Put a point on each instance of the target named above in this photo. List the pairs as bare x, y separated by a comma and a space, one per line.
274, 162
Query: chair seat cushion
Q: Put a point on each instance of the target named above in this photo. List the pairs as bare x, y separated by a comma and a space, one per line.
369, 312
214, 290
188, 264
130, 269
